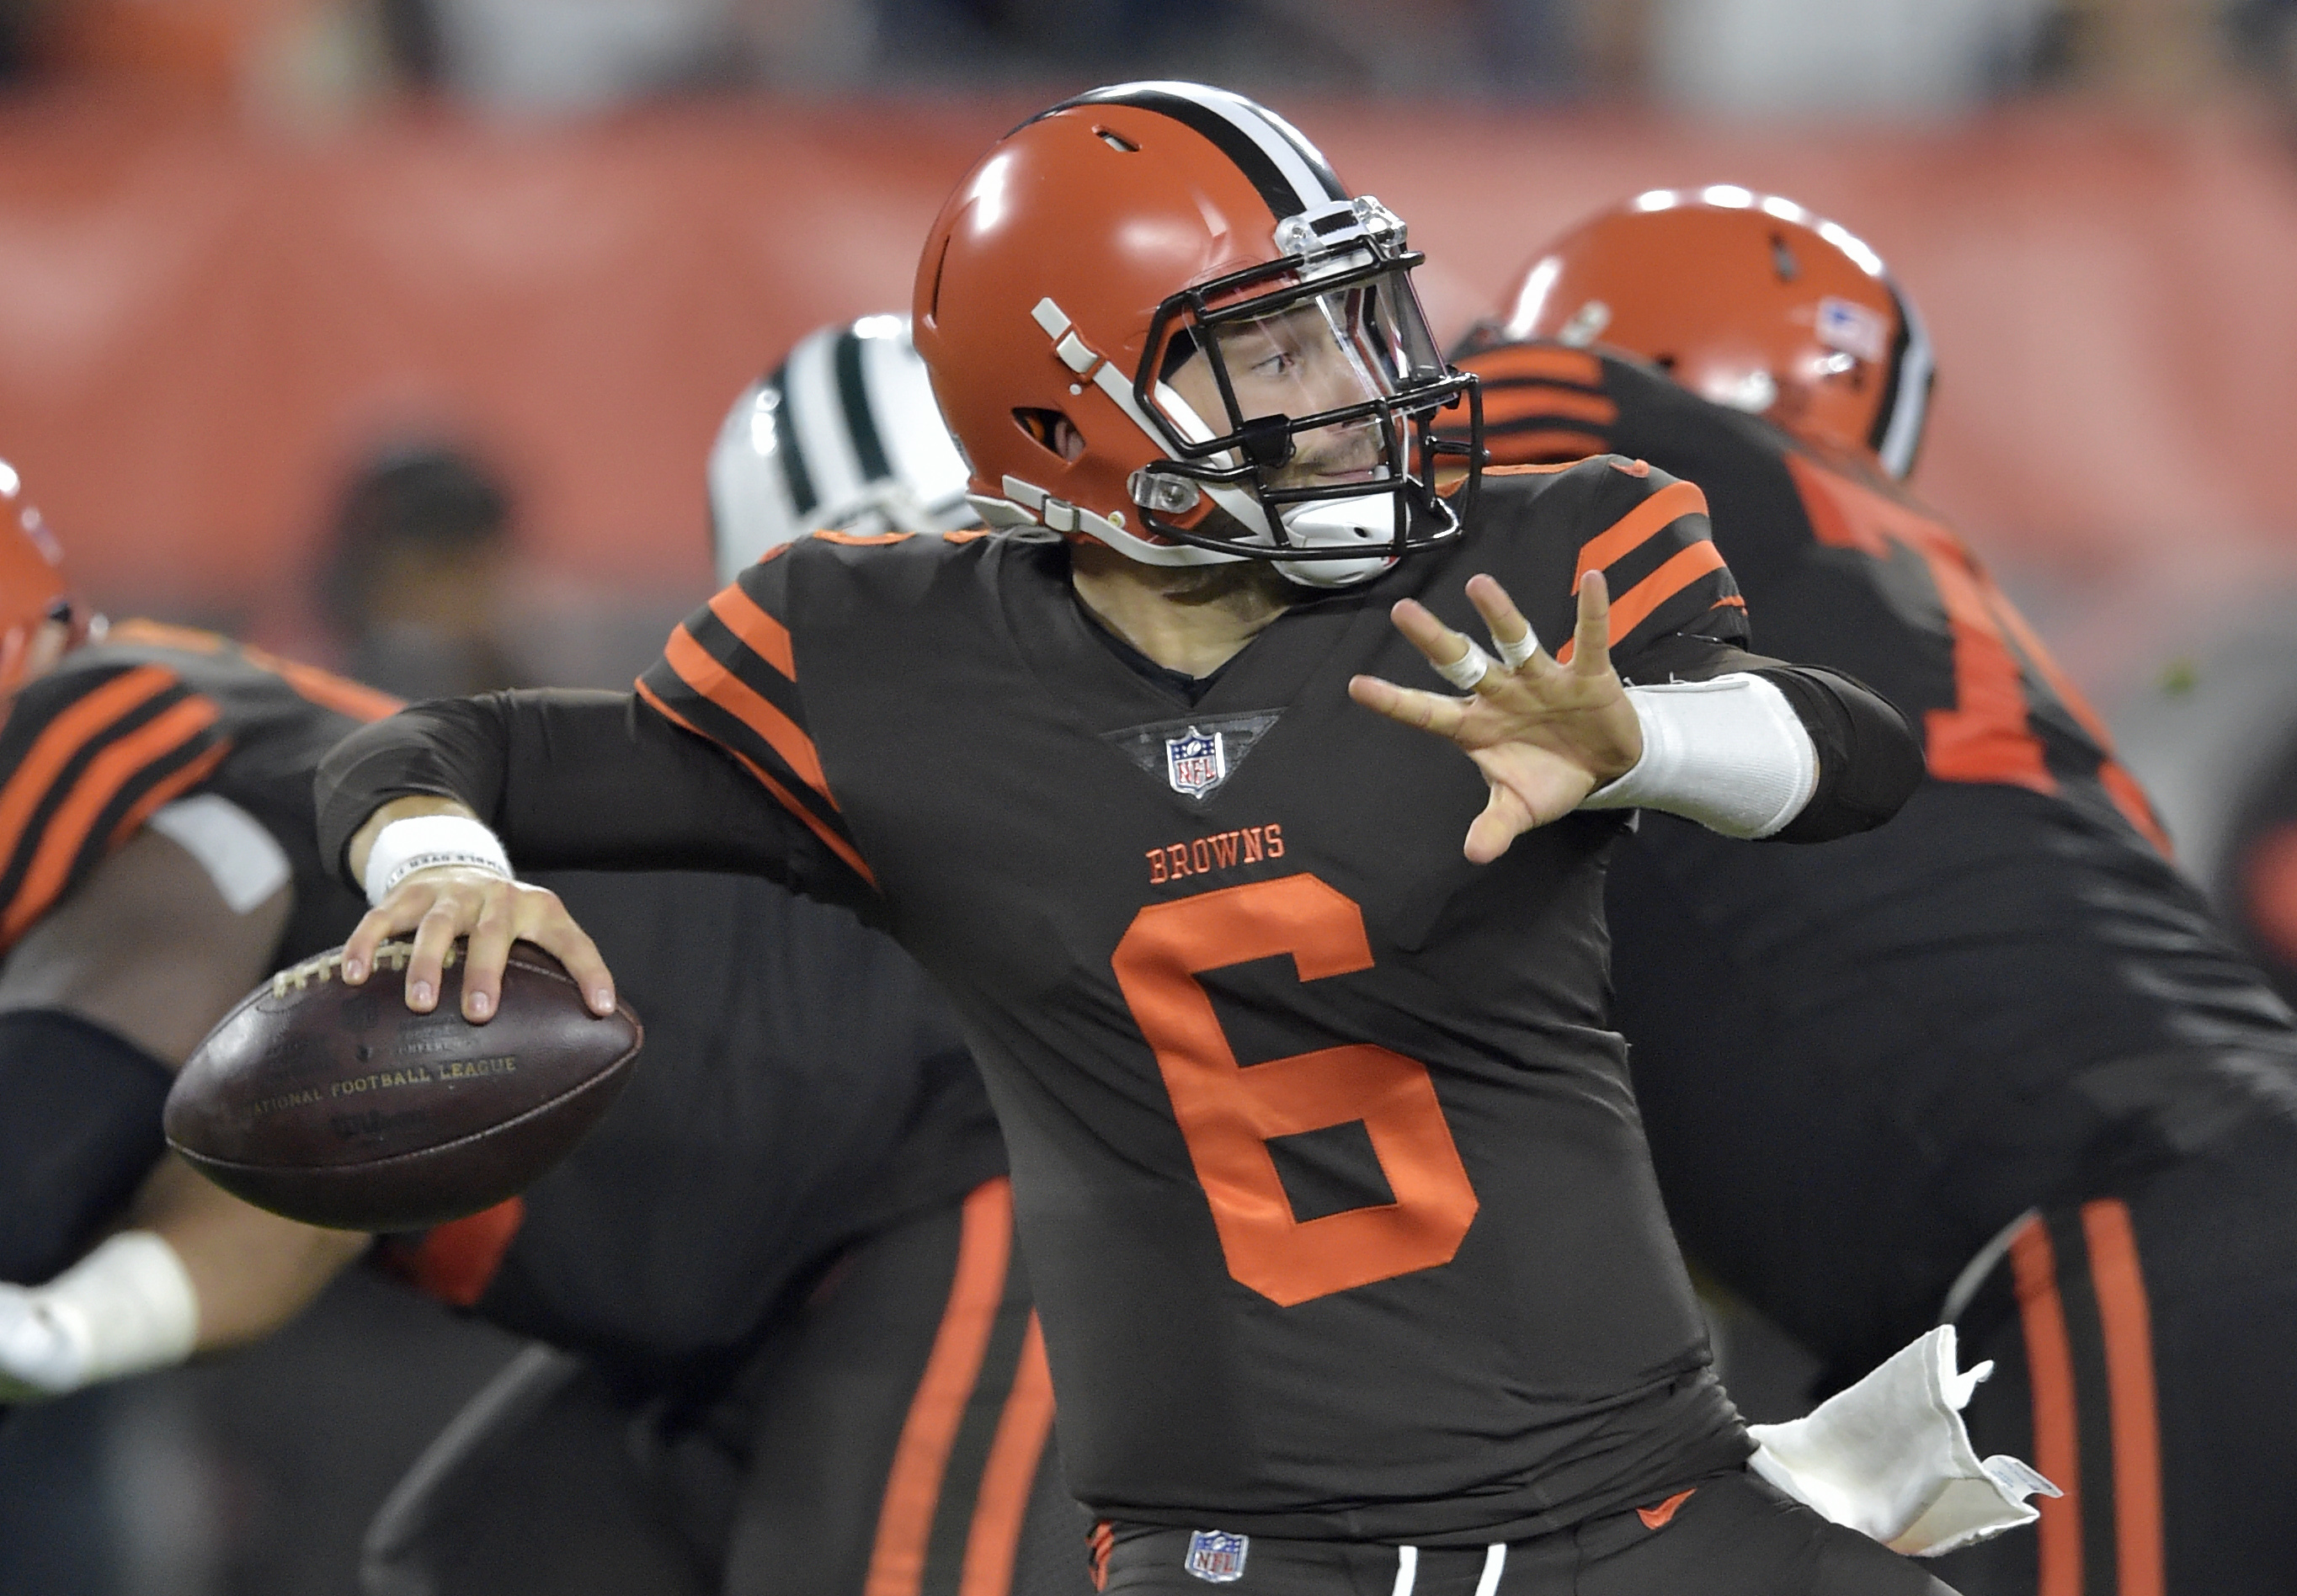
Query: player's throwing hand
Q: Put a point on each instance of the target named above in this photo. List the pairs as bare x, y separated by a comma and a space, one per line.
446, 903
1543, 735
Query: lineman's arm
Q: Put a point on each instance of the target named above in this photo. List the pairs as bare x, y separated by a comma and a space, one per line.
566, 779
100, 1002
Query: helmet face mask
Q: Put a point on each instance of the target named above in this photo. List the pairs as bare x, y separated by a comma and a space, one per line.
1156, 321
1323, 380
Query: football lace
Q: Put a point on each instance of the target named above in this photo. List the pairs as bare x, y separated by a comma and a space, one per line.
388, 955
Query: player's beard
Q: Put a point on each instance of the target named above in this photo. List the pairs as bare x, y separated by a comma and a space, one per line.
1248, 586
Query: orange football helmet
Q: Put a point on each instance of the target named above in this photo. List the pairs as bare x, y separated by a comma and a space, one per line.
1749, 301
32, 587
1155, 318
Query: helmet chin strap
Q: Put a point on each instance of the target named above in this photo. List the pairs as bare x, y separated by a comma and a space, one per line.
1362, 519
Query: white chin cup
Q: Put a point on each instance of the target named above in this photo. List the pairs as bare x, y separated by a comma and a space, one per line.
1365, 520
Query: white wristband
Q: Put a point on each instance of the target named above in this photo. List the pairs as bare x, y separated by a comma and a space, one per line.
421, 842
1730, 753
127, 1307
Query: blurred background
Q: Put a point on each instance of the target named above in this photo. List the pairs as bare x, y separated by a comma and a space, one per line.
393, 334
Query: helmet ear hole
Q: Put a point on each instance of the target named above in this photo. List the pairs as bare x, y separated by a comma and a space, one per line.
1782, 261
1051, 430
933, 296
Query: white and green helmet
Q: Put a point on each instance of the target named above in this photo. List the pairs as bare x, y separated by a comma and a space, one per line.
844, 436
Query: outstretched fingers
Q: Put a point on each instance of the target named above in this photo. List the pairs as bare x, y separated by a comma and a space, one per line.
1454, 654
1430, 712
1512, 634
1504, 817
1590, 639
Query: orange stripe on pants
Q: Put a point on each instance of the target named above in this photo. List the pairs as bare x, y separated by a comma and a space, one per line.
897, 1562
2127, 1325
2057, 1451
1010, 1474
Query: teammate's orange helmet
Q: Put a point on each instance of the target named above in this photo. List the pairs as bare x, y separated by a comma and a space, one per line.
1100, 248
32, 587
1749, 301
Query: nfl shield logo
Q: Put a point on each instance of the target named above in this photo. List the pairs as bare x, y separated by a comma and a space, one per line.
1853, 329
1195, 763
1217, 1557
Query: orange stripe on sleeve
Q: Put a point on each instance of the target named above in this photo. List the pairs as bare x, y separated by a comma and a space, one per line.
325, 688
191, 639
1011, 1472
1638, 526
167, 791
782, 795
336, 693
107, 773
760, 632
2124, 1317
1513, 451
1632, 608
1537, 360
714, 682
322, 688
1524, 404
897, 1562
2050, 1367
61, 741
2136, 807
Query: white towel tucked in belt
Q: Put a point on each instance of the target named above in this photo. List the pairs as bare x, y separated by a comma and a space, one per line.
1890, 1459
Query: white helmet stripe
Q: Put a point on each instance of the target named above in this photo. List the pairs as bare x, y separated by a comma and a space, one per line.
1910, 396
918, 448
1291, 173
815, 412
753, 493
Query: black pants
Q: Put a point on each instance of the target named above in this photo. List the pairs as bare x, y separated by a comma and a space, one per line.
892, 1439
1731, 1535
2143, 1344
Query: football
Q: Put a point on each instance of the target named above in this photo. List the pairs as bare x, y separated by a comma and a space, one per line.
338, 1106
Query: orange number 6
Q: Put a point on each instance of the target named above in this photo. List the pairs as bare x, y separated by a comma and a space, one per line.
1228, 1112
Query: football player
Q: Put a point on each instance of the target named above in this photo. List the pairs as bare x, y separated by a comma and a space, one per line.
157, 861
787, 1250
841, 436
1350, 1262
1993, 1062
